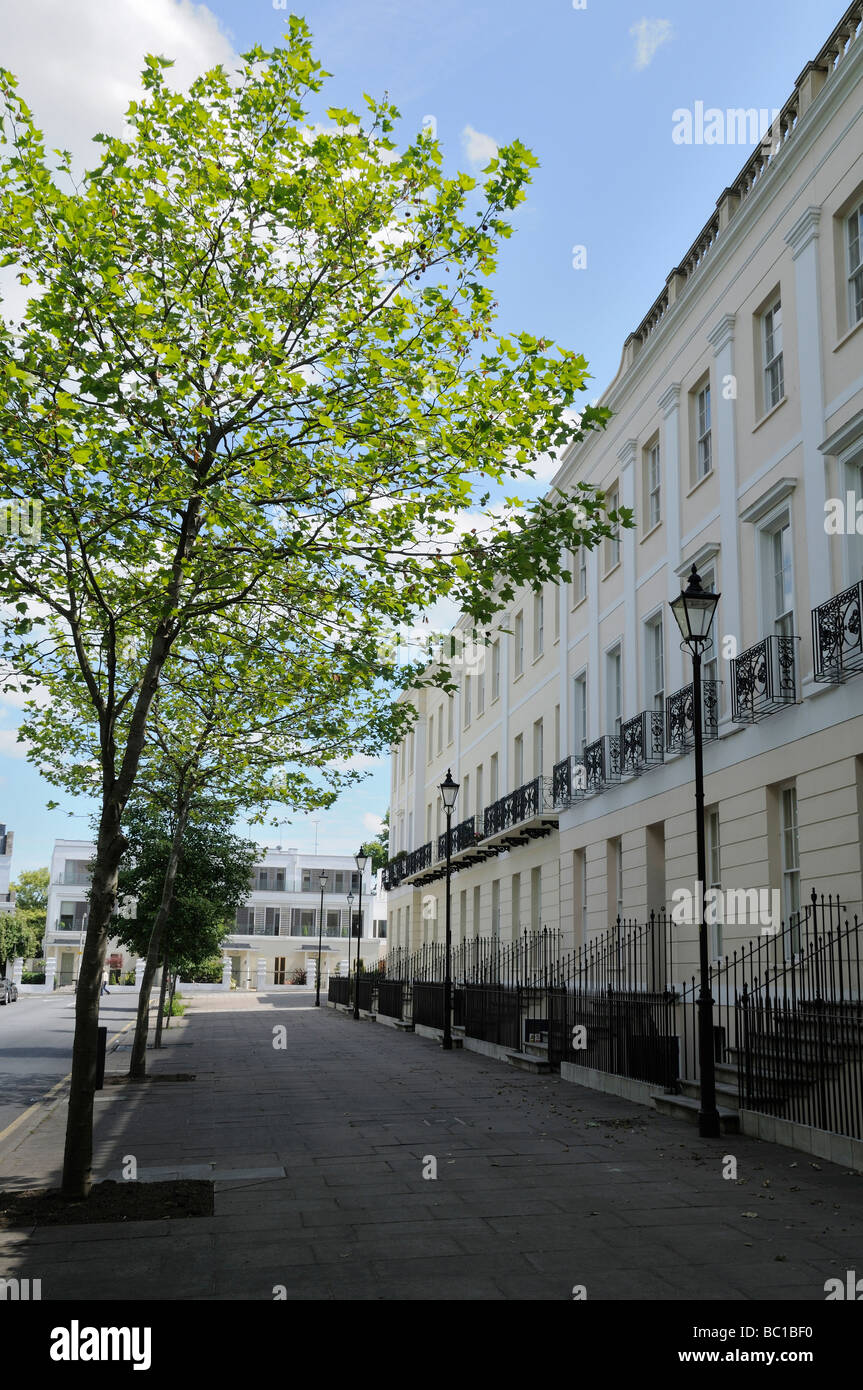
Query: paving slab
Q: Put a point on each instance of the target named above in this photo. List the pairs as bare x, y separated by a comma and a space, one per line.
319, 1153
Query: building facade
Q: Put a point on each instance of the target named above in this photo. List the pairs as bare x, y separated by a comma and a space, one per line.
278, 923
736, 437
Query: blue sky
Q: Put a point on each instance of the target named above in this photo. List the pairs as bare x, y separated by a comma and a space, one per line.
590, 90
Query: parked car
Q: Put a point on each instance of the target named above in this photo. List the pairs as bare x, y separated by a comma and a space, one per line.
8, 992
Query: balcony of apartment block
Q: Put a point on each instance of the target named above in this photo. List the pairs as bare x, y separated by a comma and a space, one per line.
679, 716
837, 636
526, 814
70, 879
613, 758
764, 679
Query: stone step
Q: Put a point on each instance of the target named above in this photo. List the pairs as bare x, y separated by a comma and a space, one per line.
725, 1094
537, 1050
684, 1108
526, 1062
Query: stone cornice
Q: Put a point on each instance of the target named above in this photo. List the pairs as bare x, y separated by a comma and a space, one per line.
722, 334
670, 399
805, 229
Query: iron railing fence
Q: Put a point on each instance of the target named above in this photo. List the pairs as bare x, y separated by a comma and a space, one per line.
428, 1003
626, 1032
391, 998
339, 989
493, 1013
799, 1030
806, 957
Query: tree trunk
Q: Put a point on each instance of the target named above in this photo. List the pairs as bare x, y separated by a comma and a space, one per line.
174, 978
157, 1042
138, 1063
78, 1154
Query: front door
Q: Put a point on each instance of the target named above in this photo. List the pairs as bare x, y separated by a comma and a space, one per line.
279, 978
67, 965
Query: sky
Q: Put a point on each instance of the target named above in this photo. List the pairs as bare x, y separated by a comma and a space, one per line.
591, 86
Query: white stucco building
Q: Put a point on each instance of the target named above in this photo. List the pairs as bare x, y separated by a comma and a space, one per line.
278, 924
737, 424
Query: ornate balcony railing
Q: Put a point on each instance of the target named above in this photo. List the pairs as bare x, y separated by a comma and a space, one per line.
679, 729
642, 744
602, 762
568, 781
764, 679
837, 636
394, 872
418, 859
524, 804
463, 837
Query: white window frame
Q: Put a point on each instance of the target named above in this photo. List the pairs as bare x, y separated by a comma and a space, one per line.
614, 688
854, 265
713, 845
703, 431
495, 670
612, 542
654, 662
653, 484
538, 625
518, 644
579, 712
773, 379
789, 826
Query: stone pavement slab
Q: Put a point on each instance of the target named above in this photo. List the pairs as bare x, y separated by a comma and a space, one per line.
319, 1151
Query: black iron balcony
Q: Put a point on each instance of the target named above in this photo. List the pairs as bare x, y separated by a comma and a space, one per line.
568, 781
394, 872
417, 860
837, 636
641, 743
679, 731
764, 679
602, 762
463, 836
527, 804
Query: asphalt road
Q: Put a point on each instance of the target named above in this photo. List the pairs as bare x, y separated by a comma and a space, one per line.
36, 1044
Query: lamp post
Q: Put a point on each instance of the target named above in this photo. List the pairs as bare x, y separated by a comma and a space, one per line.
361, 859
323, 880
449, 792
350, 934
694, 611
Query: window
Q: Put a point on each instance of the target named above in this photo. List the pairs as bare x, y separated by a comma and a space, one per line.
537, 748
450, 719
538, 625
462, 912
855, 266
464, 798
495, 909
440, 728
245, 918
535, 899
582, 573
494, 788
495, 670
710, 665
428, 822
774, 375
556, 599
782, 581
334, 923
476, 911
516, 904
655, 664
557, 733
580, 712
480, 685
612, 542
614, 690
790, 865
518, 759
519, 643
467, 709
271, 921
652, 486
714, 877
703, 437
303, 921
477, 810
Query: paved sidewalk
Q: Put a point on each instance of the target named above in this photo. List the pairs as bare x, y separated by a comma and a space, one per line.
319, 1149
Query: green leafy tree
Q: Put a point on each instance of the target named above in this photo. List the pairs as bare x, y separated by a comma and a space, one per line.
22, 929
259, 365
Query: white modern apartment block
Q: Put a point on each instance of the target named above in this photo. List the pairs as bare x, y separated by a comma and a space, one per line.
278, 924
66, 915
736, 433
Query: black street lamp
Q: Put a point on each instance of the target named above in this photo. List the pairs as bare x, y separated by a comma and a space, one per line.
694, 611
449, 792
350, 933
361, 859
323, 880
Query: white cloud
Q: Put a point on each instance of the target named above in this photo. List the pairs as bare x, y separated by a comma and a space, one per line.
479, 148
9, 745
360, 762
649, 35
372, 823
78, 65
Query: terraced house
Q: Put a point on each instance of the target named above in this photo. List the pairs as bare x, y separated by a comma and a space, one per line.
737, 439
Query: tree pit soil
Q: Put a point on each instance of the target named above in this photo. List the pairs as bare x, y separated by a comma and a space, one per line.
108, 1201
